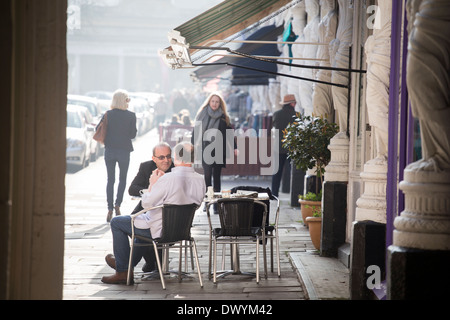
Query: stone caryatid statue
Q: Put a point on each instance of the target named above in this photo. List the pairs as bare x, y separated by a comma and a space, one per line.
311, 35
274, 94
322, 99
372, 204
340, 54
425, 222
337, 168
378, 53
429, 70
298, 26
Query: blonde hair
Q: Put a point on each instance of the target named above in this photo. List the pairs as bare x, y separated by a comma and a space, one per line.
120, 100
223, 105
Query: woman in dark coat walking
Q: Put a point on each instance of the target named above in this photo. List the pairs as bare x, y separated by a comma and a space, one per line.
213, 117
121, 129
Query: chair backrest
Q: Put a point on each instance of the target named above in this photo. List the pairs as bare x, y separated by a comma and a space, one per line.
258, 210
256, 189
236, 216
177, 222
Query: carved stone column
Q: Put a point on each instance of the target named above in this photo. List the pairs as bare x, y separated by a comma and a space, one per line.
337, 169
322, 95
420, 254
425, 221
372, 204
309, 52
298, 25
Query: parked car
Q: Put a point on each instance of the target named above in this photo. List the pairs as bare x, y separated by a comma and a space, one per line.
88, 102
104, 95
143, 120
96, 112
94, 146
78, 138
140, 103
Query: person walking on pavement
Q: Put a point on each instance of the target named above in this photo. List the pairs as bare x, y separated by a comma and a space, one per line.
180, 186
161, 160
212, 115
280, 121
120, 131
161, 108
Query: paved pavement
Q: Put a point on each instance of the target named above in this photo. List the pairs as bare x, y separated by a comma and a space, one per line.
304, 274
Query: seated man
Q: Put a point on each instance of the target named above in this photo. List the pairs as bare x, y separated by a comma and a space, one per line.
161, 160
181, 186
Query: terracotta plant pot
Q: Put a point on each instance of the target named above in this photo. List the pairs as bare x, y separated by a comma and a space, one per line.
306, 207
315, 230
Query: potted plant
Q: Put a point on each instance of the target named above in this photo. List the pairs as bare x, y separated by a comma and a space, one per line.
315, 227
309, 203
307, 140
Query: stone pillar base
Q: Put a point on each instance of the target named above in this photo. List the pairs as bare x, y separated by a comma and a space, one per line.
418, 274
372, 204
297, 185
425, 221
334, 217
367, 250
337, 168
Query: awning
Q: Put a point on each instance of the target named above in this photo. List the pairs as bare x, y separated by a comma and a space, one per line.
225, 19
215, 25
242, 76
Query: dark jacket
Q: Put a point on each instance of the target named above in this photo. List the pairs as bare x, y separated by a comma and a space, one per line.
121, 129
280, 121
223, 126
141, 181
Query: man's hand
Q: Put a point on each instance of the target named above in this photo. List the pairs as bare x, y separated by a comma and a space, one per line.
156, 174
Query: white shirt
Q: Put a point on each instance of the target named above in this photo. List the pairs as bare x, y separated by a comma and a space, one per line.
180, 186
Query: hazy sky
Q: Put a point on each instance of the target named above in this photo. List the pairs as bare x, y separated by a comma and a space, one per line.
115, 43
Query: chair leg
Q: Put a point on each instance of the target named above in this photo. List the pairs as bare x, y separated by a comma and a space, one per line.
159, 266
257, 260
264, 255
278, 254
271, 254
187, 244
130, 262
185, 256
223, 256
214, 262
180, 262
210, 257
192, 257
197, 262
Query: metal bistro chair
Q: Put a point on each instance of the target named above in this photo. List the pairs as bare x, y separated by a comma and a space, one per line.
236, 227
271, 229
175, 233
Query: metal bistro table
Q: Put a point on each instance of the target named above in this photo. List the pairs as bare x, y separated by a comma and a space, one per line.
234, 247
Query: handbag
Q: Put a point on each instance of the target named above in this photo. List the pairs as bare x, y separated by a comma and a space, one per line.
100, 131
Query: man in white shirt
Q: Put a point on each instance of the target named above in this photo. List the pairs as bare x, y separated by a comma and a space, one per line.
181, 186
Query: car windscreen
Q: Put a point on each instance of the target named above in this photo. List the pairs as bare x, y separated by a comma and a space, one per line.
73, 120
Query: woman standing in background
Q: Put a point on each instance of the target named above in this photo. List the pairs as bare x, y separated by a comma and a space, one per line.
212, 115
120, 131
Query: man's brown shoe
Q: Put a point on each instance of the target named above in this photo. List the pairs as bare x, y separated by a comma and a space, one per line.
117, 208
118, 278
111, 261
